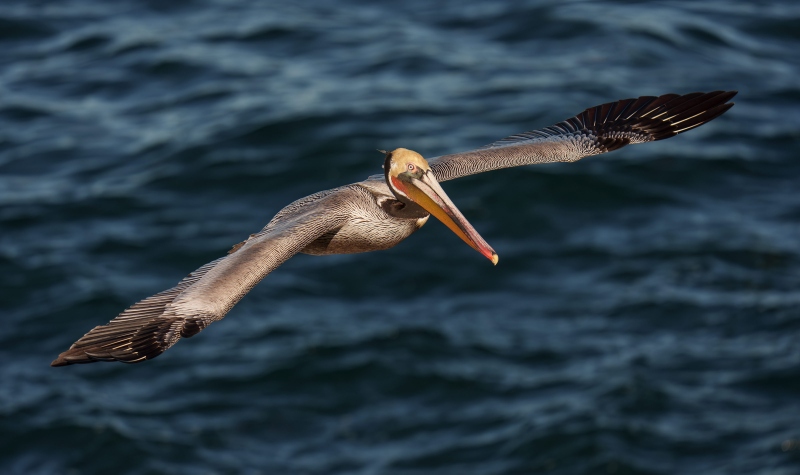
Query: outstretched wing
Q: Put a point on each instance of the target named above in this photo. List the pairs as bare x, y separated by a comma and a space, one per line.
596, 130
149, 327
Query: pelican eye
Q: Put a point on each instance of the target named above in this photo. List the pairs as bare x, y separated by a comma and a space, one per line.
411, 167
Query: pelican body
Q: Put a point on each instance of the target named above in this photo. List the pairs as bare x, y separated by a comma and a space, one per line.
379, 213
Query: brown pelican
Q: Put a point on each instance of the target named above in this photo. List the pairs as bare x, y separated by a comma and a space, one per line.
376, 214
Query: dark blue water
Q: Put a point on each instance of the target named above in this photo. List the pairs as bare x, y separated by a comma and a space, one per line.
644, 317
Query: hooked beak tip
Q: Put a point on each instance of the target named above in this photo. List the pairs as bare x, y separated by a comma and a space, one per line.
494, 258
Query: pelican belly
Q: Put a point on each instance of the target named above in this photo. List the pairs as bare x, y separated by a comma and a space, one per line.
364, 235
377, 221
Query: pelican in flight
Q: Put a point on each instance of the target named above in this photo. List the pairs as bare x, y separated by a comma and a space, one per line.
378, 213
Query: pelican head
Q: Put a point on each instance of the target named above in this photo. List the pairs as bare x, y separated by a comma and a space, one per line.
411, 180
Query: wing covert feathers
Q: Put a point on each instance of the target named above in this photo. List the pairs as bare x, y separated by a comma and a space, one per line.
596, 130
150, 327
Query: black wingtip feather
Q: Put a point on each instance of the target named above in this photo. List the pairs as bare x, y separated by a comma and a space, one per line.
656, 118
142, 332
113, 342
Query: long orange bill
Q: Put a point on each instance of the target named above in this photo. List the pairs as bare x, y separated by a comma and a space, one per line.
427, 193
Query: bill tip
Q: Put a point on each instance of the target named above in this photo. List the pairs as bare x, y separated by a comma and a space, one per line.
495, 258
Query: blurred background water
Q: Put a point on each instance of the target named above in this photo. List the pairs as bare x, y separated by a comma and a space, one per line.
643, 318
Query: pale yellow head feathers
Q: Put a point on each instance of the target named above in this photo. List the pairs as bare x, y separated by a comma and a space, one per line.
405, 160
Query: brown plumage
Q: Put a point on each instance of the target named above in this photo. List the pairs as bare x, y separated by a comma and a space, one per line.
376, 214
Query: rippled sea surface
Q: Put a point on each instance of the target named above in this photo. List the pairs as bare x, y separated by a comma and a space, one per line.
644, 317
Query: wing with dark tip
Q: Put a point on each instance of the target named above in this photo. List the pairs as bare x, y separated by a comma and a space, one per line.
149, 327
596, 130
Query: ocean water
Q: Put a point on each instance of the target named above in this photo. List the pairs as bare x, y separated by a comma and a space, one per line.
644, 317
